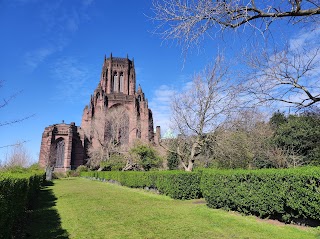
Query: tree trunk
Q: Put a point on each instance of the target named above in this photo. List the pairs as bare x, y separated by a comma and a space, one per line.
190, 166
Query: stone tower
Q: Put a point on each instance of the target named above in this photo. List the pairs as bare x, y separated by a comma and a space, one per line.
64, 146
117, 88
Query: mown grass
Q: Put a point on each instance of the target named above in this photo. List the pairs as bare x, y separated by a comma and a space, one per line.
44, 220
92, 209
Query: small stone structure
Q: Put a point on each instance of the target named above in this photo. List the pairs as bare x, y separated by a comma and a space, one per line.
64, 146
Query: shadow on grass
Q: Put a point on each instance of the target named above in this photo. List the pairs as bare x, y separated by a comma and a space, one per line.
44, 220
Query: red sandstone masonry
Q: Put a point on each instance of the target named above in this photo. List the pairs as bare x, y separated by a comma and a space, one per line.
117, 87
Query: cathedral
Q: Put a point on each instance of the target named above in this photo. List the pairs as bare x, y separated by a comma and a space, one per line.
115, 105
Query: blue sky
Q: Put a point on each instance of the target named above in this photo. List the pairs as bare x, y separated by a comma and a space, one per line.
53, 52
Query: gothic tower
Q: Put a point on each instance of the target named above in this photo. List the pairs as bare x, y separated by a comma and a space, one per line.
64, 146
117, 88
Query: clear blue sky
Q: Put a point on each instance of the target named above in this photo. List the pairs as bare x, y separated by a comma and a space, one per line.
53, 51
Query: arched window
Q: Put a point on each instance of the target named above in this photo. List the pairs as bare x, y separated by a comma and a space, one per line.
115, 82
121, 82
60, 153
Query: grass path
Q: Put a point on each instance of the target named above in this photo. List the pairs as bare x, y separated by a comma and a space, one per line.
92, 209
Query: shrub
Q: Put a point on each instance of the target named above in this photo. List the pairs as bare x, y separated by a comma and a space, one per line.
179, 184
116, 162
176, 184
57, 175
82, 168
284, 194
72, 173
17, 191
146, 156
173, 161
34, 167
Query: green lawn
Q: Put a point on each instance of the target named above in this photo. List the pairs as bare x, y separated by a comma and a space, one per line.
80, 208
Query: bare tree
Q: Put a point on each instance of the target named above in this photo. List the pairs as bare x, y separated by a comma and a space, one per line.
290, 76
188, 21
108, 134
19, 156
244, 141
200, 109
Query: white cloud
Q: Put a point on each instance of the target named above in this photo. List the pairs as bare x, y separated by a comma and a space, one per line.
160, 105
160, 102
304, 39
59, 23
37, 56
72, 80
298, 63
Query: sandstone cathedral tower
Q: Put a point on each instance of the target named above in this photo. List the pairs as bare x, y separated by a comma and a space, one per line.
115, 104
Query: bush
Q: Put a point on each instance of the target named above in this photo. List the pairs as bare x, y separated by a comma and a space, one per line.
17, 191
82, 168
179, 184
146, 156
285, 194
176, 184
57, 175
116, 162
173, 161
72, 173
34, 167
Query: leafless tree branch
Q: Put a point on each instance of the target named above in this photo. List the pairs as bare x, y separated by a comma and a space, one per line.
16, 120
290, 76
12, 145
189, 20
107, 134
5, 102
200, 109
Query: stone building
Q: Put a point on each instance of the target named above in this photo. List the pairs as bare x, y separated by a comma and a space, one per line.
64, 146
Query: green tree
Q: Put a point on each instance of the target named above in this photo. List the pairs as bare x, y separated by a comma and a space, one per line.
277, 119
146, 156
301, 133
173, 161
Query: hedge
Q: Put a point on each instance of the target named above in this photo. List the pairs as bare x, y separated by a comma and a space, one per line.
176, 184
179, 185
17, 190
286, 194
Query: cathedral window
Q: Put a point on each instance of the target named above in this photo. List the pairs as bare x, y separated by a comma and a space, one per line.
60, 153
121, 82
115, 82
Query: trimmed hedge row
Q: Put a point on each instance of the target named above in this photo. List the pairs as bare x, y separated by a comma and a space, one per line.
285, 194
179, 185
17, 190
176, 184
